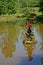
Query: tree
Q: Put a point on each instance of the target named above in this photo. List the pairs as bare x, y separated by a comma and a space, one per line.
41, 6
17, 6
7, 7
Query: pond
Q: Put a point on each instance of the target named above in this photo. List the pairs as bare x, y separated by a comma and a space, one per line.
12, 49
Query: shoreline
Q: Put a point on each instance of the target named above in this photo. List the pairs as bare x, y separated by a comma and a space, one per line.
10, 19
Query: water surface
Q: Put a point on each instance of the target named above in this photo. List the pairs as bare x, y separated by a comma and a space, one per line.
12, 49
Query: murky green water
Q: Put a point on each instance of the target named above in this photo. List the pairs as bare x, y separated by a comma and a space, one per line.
13, 51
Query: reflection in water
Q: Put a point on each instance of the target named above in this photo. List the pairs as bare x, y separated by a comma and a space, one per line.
34, 49
41, 29
17, 51
2, 28
41, 47
2, 33
8, 49
42, 60
29, 49
9, 37
41, 33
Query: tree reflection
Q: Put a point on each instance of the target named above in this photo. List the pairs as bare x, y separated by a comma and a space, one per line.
42, 60
2, 33
9, 39
2, 28
29, 48
41, 47
8, 49
41, 33
41, 29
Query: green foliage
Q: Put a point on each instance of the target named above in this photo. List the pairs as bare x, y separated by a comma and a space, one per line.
39, 18
41, 6
7, 7
17, 6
